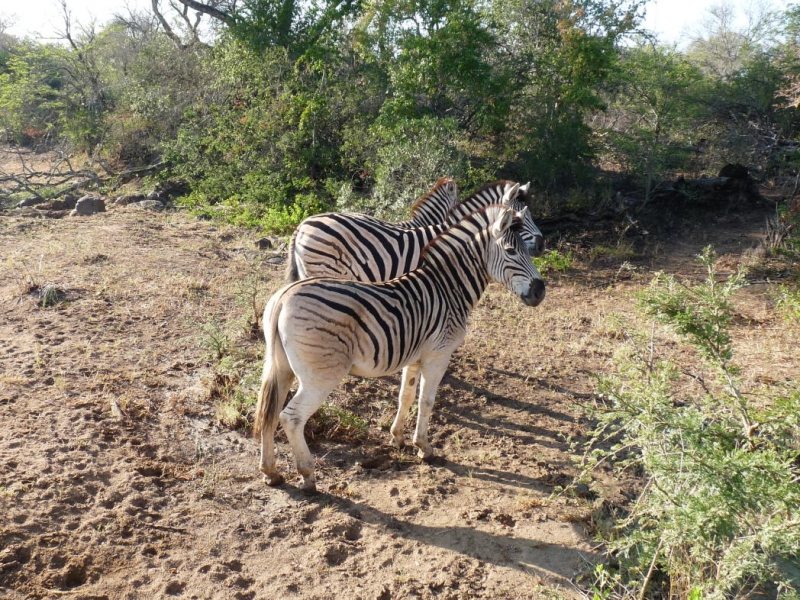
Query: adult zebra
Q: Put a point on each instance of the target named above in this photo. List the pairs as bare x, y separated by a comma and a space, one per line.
318, 330
360, 247
433, 207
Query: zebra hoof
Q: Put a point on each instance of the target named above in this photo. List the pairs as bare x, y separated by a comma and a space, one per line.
425, 453
309, 488
274, 479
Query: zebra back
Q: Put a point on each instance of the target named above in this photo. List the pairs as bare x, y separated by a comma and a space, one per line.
493, 193
361, 247
355, 246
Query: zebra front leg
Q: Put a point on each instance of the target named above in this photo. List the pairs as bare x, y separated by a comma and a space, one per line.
408, 390
293, 419
432, 373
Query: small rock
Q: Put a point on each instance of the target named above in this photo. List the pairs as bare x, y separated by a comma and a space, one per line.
30, 202
126, 199
53, 205
734, 171
264, 244
70, 200
88, 205
150, 204
155, 195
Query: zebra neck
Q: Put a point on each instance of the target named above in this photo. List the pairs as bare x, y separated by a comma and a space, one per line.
457, 267
477, 201
428, 216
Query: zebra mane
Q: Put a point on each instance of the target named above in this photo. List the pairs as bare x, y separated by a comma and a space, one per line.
457, 227
524, 195
492, 192
422, 200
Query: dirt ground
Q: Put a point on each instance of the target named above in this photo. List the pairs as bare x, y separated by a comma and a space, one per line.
117, 480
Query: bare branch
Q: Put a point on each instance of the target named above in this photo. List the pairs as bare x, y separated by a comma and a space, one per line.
185, 16
211, 11
165, 24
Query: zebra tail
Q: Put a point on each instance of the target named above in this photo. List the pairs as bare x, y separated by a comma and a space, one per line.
292, 273
269, 403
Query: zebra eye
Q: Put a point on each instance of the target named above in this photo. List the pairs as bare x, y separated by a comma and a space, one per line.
511, 251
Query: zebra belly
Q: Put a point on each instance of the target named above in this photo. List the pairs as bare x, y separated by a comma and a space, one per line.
367, 368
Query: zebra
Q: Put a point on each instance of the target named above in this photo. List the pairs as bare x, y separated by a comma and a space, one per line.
320, 329
492, 193
360, 247
433, 207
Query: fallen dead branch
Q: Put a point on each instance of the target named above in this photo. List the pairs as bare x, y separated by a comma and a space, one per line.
32, 184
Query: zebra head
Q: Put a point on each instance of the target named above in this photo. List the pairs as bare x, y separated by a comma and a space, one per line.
526, 228
509, 261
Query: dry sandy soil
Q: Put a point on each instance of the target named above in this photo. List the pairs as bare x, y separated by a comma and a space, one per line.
118, 481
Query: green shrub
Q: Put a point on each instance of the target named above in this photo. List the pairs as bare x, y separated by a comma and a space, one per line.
718, 515
258, 152
554, 261
403, 161
787, 301
333, 422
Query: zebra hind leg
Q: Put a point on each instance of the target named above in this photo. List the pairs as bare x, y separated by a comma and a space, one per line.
293, 420
408, 390
268, 464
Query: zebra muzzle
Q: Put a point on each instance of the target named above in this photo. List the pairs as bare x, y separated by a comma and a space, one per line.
535, 293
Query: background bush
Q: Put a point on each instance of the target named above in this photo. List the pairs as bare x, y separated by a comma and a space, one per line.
718, 515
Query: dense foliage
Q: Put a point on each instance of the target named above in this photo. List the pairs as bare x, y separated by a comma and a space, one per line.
719, 512
290, 108
300, 107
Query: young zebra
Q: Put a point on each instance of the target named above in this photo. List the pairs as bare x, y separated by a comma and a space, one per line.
360, 247
318, 330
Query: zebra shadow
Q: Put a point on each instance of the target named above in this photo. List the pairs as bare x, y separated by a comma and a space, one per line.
530, 555
524, 430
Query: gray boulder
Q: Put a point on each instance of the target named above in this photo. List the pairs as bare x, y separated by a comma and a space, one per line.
126, 199
154, 205
88, 205
30, 202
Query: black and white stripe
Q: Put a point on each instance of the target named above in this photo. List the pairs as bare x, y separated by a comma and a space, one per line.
434, 207
320, 329
494, 193
363, 248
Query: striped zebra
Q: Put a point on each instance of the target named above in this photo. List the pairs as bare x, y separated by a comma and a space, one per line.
318, 330
360, 247
433, 207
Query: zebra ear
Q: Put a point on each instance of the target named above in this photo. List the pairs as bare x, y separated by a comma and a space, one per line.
504, 220
452, 189
511, 193
525, 188
519, 216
